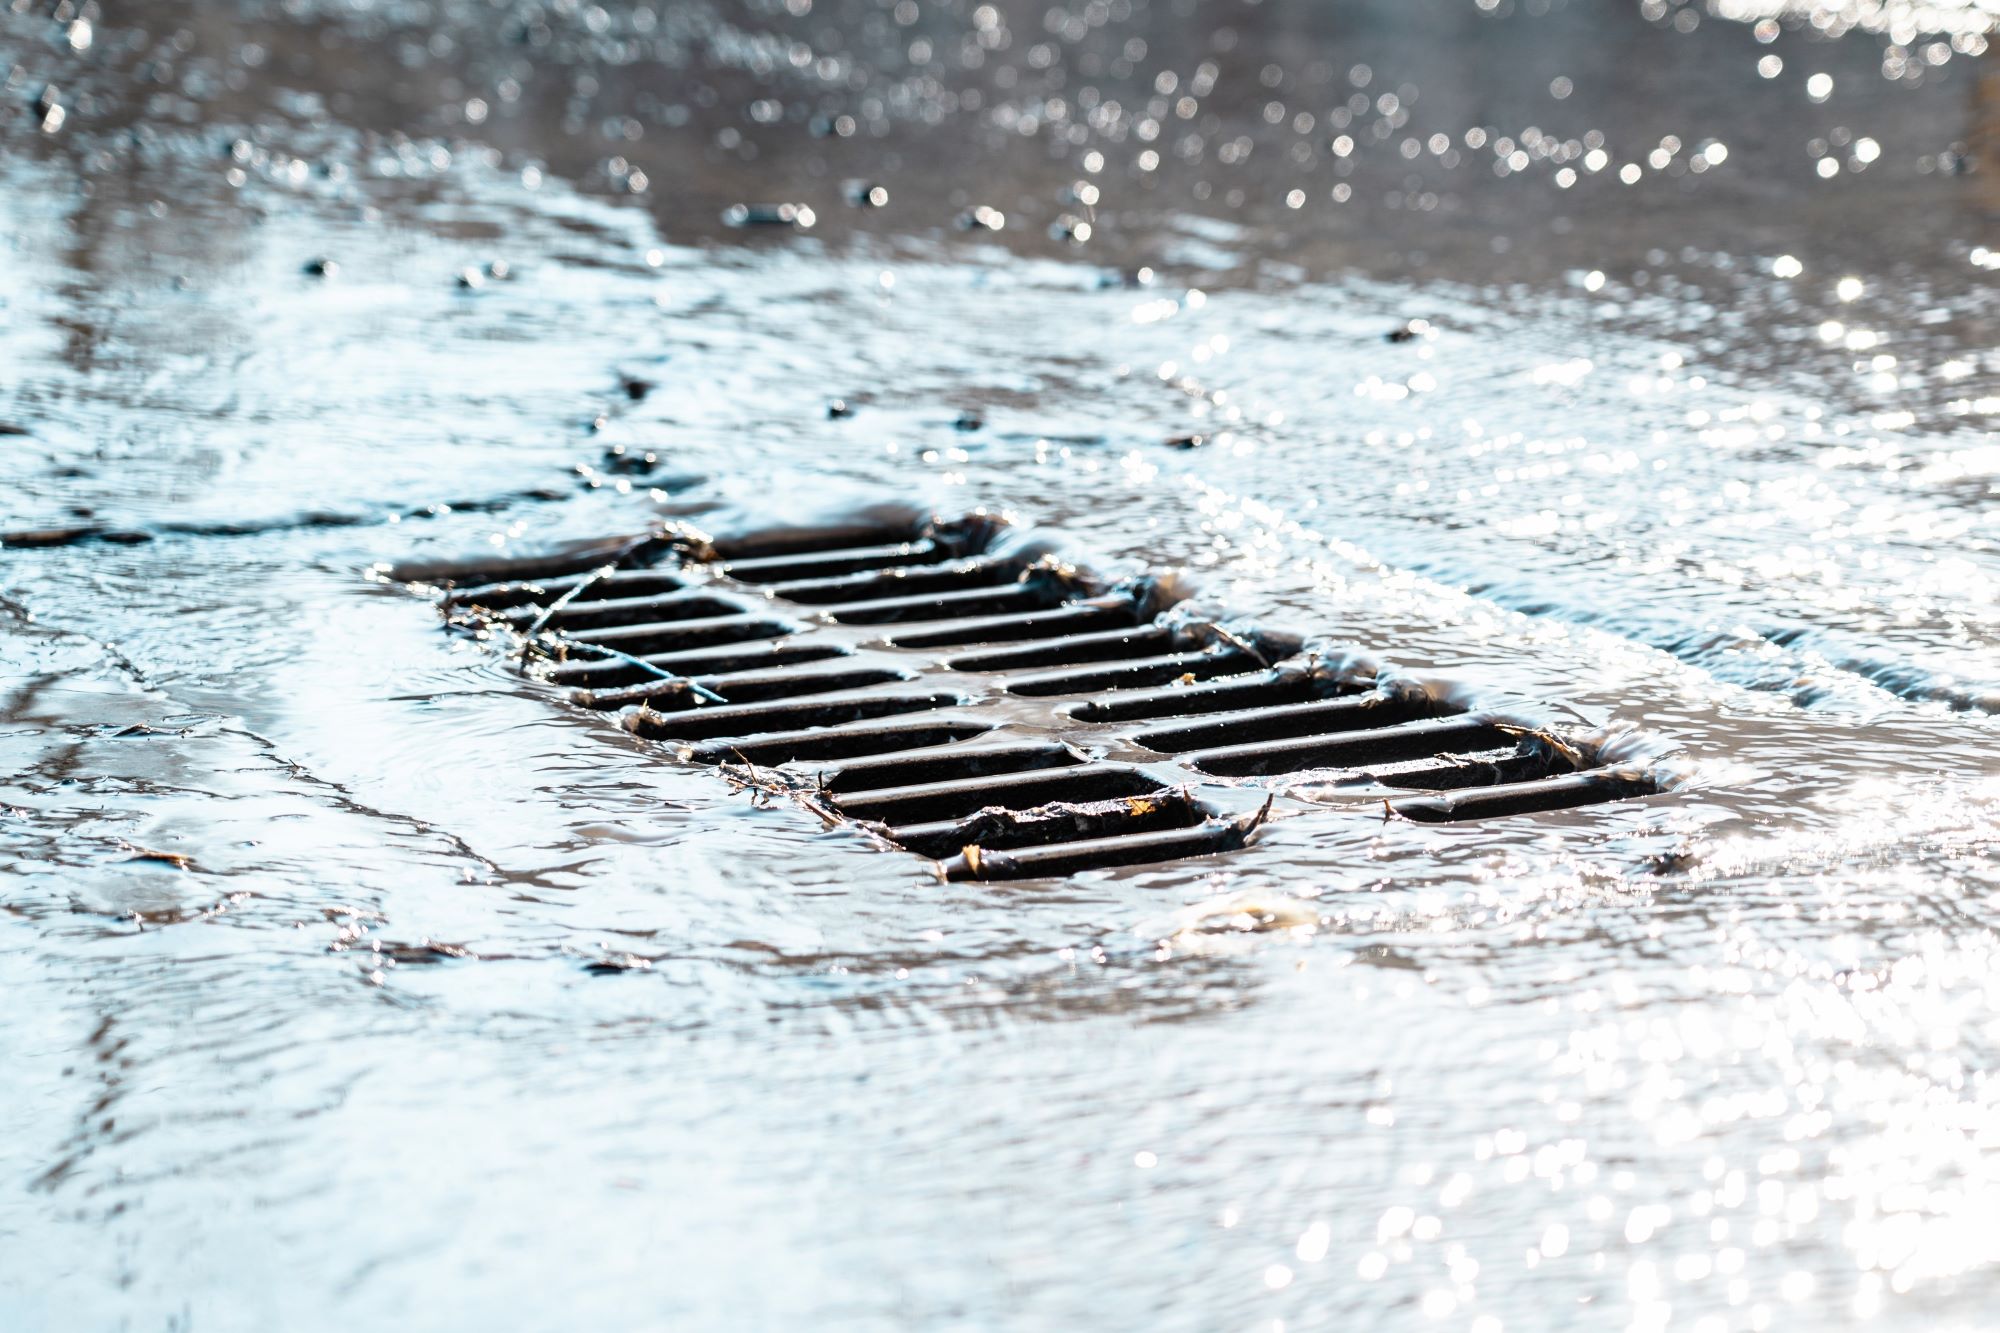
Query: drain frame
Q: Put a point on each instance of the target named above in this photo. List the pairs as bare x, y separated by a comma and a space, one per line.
958, 690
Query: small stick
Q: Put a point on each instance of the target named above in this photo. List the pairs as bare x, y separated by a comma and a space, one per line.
548, 612
603, 571
699, 691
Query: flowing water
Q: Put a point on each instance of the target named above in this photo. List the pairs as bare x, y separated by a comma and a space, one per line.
353, 979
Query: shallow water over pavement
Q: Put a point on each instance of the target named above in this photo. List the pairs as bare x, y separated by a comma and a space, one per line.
355, 977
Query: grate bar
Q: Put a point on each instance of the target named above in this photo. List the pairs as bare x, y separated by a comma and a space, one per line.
1030, 595
746, 687
1097, 853
827, 564
1527, 763
948, 763
1142, 671
839, 742
830, 540
1281, 685
1069, 650
905, 582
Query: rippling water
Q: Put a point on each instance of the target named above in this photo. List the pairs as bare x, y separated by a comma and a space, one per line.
352, 978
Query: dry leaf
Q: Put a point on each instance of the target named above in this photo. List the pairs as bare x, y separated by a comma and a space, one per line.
178, 860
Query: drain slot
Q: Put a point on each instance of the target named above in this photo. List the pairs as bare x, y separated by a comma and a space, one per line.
618, 583
750, 719
611, 672
751, 687
947, 765
580, 614
946, 800
680, 636
747, 687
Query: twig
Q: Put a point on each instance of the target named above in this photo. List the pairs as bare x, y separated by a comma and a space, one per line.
1241, 644
541, 621
1262, 816
699, 691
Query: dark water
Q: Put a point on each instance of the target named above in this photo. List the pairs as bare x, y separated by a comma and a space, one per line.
1707, 453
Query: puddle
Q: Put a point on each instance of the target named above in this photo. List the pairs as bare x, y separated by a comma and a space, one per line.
349, 966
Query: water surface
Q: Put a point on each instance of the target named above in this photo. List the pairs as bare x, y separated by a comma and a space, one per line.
354, 979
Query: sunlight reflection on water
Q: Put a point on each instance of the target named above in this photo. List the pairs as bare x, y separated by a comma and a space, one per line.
466, 991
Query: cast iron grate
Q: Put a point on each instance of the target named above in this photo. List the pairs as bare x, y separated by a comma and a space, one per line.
964, 694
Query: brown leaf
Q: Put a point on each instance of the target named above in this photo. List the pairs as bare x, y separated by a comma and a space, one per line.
178, 860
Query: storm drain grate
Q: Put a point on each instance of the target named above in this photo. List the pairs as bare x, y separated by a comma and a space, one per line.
959, 690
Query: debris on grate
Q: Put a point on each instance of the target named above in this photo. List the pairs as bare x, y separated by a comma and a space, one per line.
959, 690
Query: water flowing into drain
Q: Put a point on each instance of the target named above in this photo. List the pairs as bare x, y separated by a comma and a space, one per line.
967, 695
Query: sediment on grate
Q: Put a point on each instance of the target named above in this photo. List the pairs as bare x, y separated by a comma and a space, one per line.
1004, 828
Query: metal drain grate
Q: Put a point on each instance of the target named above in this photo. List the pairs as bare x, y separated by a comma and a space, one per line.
960, 691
